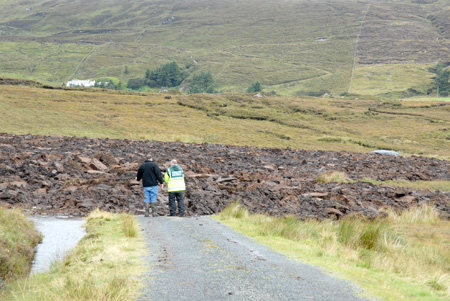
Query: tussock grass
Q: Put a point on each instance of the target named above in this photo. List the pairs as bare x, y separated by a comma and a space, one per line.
130, 226
401, 257
332, 176
18, 237
357, 232
104, 266
235, 211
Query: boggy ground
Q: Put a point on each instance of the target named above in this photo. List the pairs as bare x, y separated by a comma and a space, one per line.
68, 175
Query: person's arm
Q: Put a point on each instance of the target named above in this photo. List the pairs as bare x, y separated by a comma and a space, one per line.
139, 174
158, 175
166, 177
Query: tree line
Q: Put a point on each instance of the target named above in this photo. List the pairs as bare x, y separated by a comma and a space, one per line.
171, 75
442, 78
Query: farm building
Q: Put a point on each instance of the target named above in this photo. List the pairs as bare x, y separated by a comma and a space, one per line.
81, 83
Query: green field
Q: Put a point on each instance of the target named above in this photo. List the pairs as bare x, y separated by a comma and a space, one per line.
362, 47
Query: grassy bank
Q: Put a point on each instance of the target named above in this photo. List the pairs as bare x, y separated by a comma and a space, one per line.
402, 257
18, 237
104, 266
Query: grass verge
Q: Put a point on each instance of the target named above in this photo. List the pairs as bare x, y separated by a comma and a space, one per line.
18, 237
430, 185
402, 257
104, 266
341, 177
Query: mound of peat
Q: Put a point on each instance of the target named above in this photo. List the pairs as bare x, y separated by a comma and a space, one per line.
66, 175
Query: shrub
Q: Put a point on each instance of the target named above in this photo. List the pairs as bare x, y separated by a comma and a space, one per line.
166, 75
202, 83
320, 93
136, 83
255, 87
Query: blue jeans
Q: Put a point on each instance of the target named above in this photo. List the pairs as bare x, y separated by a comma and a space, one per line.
151, 193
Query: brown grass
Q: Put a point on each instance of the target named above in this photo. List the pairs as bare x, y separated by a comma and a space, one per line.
331, 124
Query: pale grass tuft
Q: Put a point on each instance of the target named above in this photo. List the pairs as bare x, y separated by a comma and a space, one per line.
129, 225
332, 176
235, 210
96, 213
425, 214
439, 282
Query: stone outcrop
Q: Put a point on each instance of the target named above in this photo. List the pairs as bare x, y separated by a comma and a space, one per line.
72, 176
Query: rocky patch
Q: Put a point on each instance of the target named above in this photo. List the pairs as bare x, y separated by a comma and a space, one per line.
72, 176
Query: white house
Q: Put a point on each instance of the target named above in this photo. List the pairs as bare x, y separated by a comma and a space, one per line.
80, 83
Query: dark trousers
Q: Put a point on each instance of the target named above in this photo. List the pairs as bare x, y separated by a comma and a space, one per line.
172, 207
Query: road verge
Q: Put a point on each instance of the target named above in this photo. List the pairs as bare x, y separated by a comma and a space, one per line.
401, 257
105, 265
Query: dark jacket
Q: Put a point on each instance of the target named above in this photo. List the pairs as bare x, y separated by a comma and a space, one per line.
150, 174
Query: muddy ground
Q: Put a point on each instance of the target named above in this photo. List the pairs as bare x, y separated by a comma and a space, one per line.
72, 176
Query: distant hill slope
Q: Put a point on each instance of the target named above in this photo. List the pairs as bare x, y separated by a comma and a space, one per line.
366, 47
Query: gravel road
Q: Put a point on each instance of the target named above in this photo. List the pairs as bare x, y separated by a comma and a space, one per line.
197, 258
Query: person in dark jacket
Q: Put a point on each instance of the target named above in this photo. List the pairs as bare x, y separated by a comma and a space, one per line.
150, 174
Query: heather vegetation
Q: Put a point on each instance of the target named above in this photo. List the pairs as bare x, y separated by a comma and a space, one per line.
361, 47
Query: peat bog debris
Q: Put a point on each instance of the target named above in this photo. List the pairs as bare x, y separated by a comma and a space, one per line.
58, 175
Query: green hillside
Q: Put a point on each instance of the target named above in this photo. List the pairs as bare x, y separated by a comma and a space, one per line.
365, 47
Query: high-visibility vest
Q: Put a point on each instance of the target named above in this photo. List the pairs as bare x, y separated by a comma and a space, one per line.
175, 179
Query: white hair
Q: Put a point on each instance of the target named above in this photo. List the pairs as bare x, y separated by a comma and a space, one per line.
173, 162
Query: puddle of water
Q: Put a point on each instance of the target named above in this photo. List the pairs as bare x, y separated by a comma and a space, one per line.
60, 236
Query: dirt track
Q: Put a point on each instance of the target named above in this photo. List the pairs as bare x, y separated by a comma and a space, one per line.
65, 175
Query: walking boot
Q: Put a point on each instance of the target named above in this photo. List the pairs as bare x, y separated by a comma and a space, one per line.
154, 211
147, 209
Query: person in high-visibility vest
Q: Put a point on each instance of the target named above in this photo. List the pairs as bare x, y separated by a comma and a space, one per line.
174, 178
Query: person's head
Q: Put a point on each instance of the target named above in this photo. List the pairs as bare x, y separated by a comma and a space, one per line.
149, 157
173, 162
